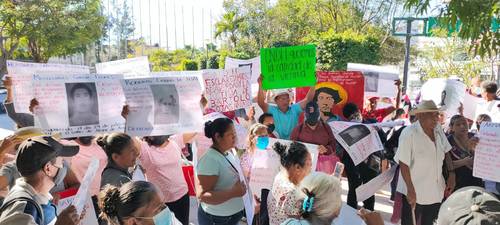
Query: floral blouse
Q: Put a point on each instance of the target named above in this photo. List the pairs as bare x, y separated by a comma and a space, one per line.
282, 202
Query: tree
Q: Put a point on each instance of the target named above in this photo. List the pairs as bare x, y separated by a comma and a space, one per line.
476, 18
123, 28
336, 50
449, 57
51, 27
229, 26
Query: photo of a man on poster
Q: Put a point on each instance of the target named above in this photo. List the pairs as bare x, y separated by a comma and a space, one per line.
166, 103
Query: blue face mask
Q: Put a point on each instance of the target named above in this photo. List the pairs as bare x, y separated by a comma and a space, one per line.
163, 218
262, 142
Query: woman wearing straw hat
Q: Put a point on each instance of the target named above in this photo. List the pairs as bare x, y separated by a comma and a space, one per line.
423, 147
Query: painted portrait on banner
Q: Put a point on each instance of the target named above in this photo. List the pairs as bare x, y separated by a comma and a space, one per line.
334, 90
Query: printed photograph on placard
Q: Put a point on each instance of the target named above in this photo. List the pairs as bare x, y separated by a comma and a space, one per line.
371, 81
354, 134
83, 107
166, 103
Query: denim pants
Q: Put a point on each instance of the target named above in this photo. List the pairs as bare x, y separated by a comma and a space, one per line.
208, 219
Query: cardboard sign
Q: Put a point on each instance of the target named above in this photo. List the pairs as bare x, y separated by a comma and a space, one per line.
379, 80
22, 78
163, 105
265, 166
229, 89
359, 140
287, 67
80, 105
335, 89
487, 153
129, 68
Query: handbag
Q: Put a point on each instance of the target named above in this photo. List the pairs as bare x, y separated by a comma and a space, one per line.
326, 163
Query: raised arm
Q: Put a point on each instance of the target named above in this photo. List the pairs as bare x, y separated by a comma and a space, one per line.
309, 97
261, 97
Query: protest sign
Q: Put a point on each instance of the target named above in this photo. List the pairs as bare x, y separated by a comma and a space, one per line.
80, 105
265, 166
66, 199
367, 190
287, 67
334, 90
470, 104
379, 80
253, 64
163, 105
359, 140
129, 68
446, 93
487, 153
348, 215
248, 199
22, 78
83, 192
227, 90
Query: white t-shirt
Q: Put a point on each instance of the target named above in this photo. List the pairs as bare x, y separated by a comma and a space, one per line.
425, 159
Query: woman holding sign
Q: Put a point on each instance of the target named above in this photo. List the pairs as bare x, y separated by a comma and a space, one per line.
220, 190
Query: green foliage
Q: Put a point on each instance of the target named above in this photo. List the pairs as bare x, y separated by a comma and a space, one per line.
50, 27
160, 60
450, 58
188, 64
336, 50
476, 17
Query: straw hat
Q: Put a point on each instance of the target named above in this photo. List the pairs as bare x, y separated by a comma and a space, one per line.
425, 106
278, 92
29, 132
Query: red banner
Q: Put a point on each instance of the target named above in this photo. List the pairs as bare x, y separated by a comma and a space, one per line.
335, 89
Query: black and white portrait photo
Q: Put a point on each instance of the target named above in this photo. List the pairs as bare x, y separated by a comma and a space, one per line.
371, 81
166, 103
83, 107
354, 134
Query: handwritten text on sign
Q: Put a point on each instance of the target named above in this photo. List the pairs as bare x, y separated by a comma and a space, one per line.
163, 105
228, 89
22, 72
80, 105
129, 68
487, 154
288, 67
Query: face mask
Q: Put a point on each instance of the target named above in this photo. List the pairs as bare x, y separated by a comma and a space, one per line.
262, 142
478, 90
270, 128
312, 118
86, 140
163, 218
61, 173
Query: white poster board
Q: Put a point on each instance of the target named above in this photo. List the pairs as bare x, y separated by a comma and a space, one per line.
265, 166
253, 64
129, 68
348, 215
313, 150
367, 190
248, 199
90, 217
491, 108
22, 73
80, 105
446, 93
84, 191
487, 153
470, 104
359, 140
379, 80
228, 90
163, 105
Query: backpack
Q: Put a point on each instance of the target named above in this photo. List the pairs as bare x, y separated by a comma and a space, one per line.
34, 208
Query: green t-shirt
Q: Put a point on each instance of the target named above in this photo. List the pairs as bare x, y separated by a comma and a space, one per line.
213, 163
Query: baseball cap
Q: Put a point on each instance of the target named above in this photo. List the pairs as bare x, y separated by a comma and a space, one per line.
470, 206
35, 152
29, 132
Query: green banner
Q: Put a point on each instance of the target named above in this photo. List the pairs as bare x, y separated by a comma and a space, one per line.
287, 67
